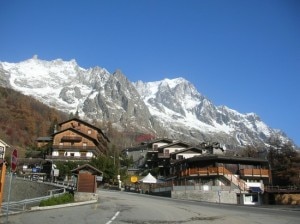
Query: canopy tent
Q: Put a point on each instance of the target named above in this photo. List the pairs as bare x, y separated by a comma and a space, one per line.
149, 179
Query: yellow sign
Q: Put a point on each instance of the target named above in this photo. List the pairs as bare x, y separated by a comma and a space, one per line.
133, 179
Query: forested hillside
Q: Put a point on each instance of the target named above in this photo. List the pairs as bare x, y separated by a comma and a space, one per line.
23, 119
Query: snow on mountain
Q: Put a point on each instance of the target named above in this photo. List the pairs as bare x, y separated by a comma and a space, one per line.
178, 105
58, 83
169, 108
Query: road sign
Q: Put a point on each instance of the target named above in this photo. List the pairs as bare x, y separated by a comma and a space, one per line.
133, 179
14, 160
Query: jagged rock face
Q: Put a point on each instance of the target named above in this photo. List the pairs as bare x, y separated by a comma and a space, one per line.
168, 108
192, 117
4, 77
119, 102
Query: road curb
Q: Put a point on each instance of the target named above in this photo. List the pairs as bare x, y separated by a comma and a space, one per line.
38, 208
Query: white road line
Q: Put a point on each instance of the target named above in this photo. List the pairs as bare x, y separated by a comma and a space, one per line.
113, 218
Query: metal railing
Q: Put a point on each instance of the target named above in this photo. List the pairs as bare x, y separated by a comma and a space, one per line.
23, 205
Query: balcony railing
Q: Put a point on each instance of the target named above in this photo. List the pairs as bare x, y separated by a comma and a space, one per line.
212, 171
254, 172
84, 158
73, 148
71, 139
207, 171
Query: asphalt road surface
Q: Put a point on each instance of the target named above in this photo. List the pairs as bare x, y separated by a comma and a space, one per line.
130, 208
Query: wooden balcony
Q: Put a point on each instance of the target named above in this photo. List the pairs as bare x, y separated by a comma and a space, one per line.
64, 158
254, 173
73, 148
207, 171
215, 171
71, 139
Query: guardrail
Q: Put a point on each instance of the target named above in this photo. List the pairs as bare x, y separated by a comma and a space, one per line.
26, 204
282, 189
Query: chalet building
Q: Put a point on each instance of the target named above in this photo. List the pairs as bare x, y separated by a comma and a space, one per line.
43, 141
164, 155
178, 150
186, 153
75, 140
156, 143
242, 177
159, 152
145, 154
206, 173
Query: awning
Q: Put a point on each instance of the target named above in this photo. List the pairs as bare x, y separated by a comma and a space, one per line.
255, 189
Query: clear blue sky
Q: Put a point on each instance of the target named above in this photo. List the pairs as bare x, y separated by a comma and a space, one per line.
242, 54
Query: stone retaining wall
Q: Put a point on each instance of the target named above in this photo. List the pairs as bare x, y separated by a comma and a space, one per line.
229, 197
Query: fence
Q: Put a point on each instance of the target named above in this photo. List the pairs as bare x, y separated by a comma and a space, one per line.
23, 205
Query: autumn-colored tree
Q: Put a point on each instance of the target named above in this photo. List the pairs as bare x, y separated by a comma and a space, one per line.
284, 163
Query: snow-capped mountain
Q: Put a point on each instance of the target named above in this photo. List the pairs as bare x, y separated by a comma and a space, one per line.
168, 108
179, 106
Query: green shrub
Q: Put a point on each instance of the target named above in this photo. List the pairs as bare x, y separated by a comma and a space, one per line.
62, 199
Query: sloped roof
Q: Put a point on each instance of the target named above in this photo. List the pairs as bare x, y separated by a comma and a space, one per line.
224, 158
88, 167
77, 132
85, 123
193, 149
175, 143
3, 143
160, 140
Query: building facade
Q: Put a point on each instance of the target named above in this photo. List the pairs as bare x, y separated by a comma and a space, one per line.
77, 140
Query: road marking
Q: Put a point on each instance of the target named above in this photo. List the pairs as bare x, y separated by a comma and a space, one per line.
113, 218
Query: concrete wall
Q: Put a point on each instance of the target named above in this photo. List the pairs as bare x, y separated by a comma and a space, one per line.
25, 189
229, 197
83, 196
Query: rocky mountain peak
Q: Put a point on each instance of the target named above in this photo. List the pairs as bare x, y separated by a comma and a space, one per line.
168, 108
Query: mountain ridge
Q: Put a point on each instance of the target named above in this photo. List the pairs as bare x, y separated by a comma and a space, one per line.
168, 108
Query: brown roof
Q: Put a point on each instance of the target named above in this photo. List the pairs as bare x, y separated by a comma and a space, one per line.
89, 167
87, 124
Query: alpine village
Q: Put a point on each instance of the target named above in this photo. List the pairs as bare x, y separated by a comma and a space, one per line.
57, 148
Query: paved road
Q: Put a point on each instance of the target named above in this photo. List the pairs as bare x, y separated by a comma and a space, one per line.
131, 208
